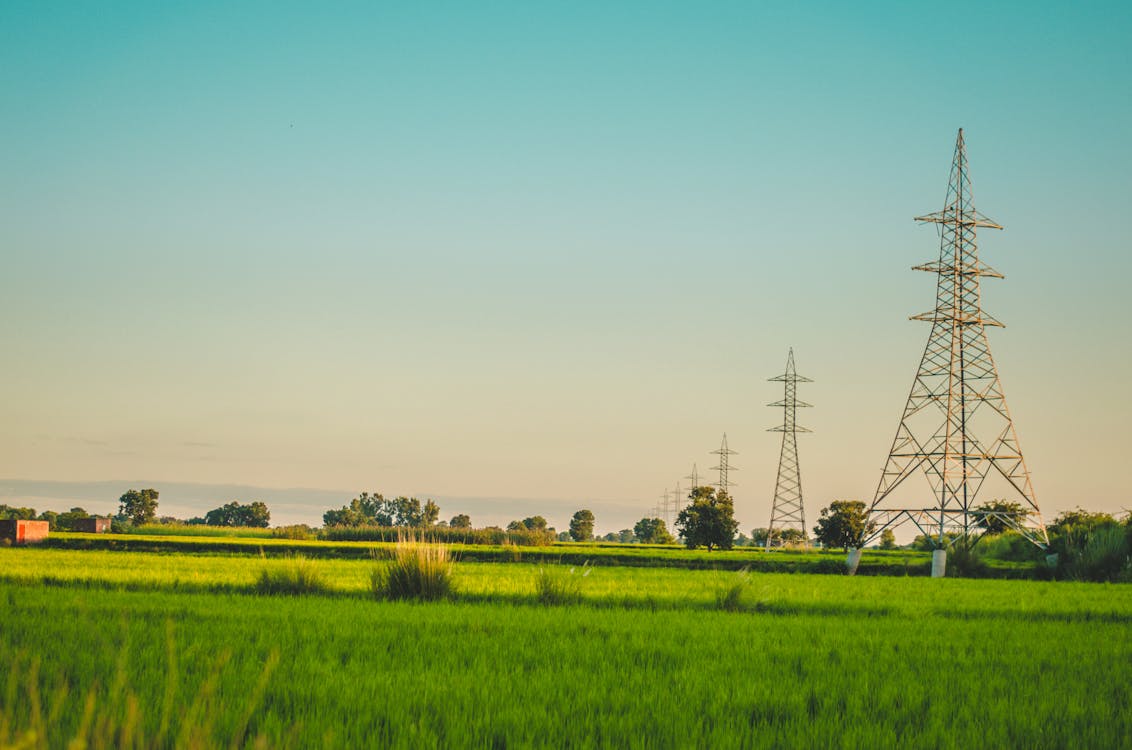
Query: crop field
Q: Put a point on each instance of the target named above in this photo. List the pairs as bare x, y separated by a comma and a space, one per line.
874, 562
175, 649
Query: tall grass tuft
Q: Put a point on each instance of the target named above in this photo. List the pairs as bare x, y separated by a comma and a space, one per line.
1103, 557
555, 585
729, 597
297, 577
417, 570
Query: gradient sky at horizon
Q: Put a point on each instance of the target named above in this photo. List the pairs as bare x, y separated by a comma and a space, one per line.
546, 251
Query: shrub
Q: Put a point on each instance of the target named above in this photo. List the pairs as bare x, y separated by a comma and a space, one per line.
299, 576
966, 562
296, 531
1103, 557
418, 570
555, 585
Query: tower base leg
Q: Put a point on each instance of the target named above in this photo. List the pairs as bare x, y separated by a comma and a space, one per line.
939, 563
853, 560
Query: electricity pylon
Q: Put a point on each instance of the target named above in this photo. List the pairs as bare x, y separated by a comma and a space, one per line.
956, 428
676, 497
787, 511
694, 477
724, 467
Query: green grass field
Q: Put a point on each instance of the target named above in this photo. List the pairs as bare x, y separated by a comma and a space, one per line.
174, 649
873, 562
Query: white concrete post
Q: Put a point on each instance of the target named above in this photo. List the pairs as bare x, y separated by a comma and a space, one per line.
853, 560
939, 563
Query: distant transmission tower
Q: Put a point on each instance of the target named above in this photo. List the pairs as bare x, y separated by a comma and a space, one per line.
661, 508
956, 428
787, 511
676, 495
694, 477
724, 465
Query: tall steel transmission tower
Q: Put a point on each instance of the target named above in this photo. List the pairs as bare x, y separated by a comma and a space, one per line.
956, 428
787, 511
724, 467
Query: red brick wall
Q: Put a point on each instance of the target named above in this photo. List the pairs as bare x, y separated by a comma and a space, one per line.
31, 532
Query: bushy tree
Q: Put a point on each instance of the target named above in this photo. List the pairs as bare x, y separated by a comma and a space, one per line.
652, 531
12, 513
66, 521
843, 524
1080, 520
254, 514
375, 510
1004, 513
582, 526
139, 506
461, 521
709, 521
786, 537
887, 539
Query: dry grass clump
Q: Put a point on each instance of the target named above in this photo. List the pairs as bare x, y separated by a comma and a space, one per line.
418, 570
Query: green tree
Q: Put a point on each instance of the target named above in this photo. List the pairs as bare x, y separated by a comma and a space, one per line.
758, 537
843, 524
787, 537
709, 521
406, 511
12, 513
139, 506
461, 521
430, 513
66, 521
652, 531
582, 526
887, 539
363, 510
1080, 520
534, 523
1004, 512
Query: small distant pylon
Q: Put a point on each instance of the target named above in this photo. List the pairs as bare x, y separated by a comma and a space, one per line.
676, 495
661, 508
787, 512
694, 477
724, 467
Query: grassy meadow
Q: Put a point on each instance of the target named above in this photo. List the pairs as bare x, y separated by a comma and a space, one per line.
176, 649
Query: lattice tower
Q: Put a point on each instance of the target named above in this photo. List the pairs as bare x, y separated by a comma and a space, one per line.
956, 429
787, 511
724, 467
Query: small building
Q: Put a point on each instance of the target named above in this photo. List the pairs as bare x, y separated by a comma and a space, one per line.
92, 525
23, 532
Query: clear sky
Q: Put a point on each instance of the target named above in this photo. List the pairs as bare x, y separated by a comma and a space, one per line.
530, 257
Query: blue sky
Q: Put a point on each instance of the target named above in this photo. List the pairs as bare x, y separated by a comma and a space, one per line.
544, 254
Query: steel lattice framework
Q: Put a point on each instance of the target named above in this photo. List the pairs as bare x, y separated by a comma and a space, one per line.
787, 512
956, 428
725, 468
